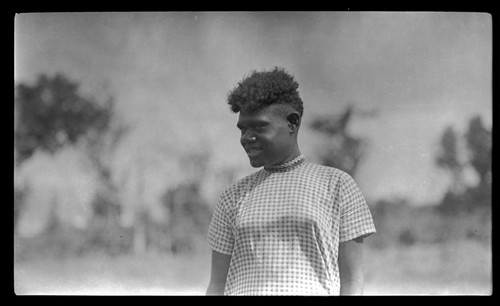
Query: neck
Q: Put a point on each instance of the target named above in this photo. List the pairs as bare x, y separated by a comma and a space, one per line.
286, 165
292, 155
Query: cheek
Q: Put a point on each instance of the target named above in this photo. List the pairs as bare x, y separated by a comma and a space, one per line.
279, 141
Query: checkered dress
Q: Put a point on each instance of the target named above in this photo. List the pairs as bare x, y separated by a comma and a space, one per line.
283, 226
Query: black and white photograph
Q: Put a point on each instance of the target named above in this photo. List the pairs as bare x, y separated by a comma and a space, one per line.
303, 153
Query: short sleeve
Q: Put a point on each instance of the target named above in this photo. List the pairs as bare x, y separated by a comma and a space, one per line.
220, 235
355, 216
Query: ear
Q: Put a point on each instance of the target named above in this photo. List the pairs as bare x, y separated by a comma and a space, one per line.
293, 122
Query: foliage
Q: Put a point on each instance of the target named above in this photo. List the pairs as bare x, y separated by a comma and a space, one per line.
189, 216
19, 202
478, 141
400, 224
448, 158
104, 231
342, 150
52, 113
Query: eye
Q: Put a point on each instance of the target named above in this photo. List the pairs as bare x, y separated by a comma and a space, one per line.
254, 127
259, 127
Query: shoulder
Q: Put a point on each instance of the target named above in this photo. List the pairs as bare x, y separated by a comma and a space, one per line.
240, 185
332, 174
338, 182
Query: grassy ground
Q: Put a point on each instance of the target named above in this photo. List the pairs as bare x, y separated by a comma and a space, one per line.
455, 268
124, 275
458, 268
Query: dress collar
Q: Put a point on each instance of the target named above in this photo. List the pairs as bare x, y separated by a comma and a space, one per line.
287, 166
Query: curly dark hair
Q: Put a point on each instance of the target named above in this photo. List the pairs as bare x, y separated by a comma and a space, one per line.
264, 88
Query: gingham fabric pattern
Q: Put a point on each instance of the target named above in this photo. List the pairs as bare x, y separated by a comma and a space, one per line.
283, 226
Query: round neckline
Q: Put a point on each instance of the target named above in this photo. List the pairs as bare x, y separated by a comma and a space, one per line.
287, 166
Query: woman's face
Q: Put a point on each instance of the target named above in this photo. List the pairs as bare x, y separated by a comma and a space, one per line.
266, 136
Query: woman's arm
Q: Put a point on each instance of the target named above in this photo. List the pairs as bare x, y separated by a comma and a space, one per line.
220, 266
351, 267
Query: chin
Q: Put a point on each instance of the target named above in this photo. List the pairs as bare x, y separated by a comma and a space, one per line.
256, 163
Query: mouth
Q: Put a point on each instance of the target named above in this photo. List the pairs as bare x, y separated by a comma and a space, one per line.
253, 151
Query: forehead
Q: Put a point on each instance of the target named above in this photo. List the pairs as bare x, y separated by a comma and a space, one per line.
271, 113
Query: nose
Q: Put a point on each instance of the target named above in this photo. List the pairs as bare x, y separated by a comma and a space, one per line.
247, 137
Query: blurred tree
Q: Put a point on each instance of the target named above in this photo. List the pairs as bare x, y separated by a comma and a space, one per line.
461, 198
406, 237
187, 211
343, 150
52, 113
479, 143
189, 216
19, 203
106, 231
448, 158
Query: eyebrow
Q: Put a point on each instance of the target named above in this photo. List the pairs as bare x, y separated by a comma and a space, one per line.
251, 122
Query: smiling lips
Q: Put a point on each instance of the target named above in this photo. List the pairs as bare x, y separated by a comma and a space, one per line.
253, 151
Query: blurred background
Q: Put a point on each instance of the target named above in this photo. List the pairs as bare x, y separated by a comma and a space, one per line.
123, 141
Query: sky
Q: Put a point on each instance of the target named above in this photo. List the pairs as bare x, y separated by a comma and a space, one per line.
408, 75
